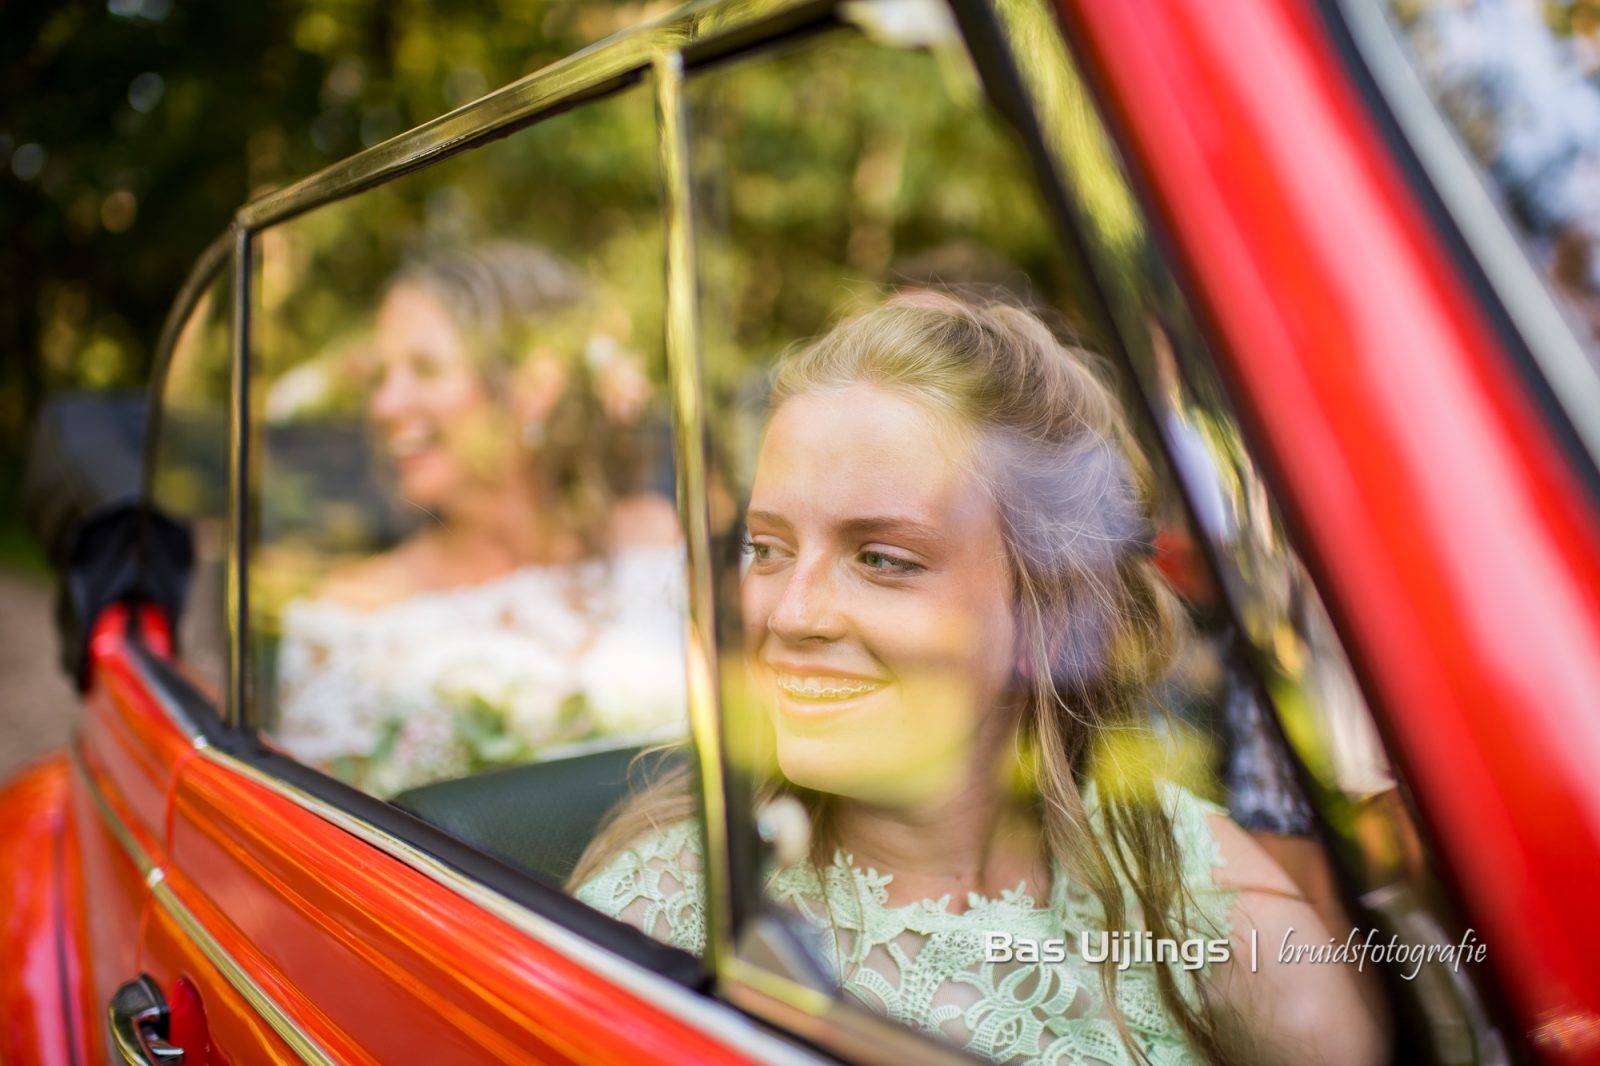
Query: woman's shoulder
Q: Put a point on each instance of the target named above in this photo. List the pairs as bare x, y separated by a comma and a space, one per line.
656, 883
1209, 850
411, 578
1196, 823
1288, 1006
665, 858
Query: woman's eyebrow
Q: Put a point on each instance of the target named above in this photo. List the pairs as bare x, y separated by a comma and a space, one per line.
892, 524
857, 527
770, 518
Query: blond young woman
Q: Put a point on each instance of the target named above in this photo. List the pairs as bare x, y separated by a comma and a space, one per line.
949, 589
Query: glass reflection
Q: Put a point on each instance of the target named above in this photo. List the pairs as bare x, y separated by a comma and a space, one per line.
465, 555
190, 474
911, 186
503, 627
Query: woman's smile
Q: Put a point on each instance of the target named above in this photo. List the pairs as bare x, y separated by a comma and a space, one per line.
825, 689
410, 442
815, 688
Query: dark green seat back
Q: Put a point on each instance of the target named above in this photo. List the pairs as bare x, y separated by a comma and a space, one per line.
542, 815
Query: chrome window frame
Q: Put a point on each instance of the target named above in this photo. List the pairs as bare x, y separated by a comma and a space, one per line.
217, 257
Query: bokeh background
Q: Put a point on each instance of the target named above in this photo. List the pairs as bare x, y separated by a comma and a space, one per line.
130, 131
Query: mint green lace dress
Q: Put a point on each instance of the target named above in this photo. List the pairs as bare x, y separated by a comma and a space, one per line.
924, 966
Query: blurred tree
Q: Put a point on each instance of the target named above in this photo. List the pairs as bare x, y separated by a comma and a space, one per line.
132, 129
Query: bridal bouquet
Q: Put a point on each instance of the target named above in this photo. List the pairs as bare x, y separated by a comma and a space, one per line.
502, 704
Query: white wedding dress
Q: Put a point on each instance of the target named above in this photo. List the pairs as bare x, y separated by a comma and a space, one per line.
524, 666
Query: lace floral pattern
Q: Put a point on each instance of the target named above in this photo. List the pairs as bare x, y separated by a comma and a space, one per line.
445, 683
924, 966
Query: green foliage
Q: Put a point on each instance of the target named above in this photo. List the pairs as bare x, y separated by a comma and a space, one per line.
151, 121
132, 129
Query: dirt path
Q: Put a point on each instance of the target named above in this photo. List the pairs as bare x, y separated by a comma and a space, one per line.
38, 707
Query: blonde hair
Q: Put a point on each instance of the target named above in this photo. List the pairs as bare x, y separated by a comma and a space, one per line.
1097, 625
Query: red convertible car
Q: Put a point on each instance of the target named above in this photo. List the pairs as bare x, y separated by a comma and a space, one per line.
431, 521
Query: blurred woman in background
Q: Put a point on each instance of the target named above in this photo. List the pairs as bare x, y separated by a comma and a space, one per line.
539, 603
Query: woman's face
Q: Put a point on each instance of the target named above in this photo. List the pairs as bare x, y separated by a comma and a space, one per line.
432, 410
877, 600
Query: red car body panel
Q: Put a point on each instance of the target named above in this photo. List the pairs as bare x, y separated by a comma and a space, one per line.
1452, 540
41, 1019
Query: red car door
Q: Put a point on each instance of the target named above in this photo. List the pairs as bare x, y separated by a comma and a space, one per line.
123, 760
306, 933
128, 751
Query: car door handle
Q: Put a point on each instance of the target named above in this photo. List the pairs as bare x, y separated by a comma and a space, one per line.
139, 1024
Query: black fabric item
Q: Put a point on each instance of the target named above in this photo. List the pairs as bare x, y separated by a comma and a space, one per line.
542, 815
120, 555
81, 498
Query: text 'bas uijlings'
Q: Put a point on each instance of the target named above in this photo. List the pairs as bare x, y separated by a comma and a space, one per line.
1120, 949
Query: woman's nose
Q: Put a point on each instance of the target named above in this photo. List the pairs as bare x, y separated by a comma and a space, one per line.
392, 398
808, 608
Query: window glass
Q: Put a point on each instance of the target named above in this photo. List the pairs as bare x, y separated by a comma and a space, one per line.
1520, 84
1050, 759
190, 474
466, 578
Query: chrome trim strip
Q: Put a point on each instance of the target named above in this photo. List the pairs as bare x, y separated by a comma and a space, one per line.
707, 1015
1573, 379
689, 439
155, 879
597, 69
288, 1030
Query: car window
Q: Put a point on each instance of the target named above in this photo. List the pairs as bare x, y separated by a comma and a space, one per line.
189, 473
1035, 740
465, 573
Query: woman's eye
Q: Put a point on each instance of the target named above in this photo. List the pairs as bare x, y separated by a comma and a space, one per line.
757, 550
884, 563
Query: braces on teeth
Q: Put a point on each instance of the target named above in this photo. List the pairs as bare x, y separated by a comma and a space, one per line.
816, 689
